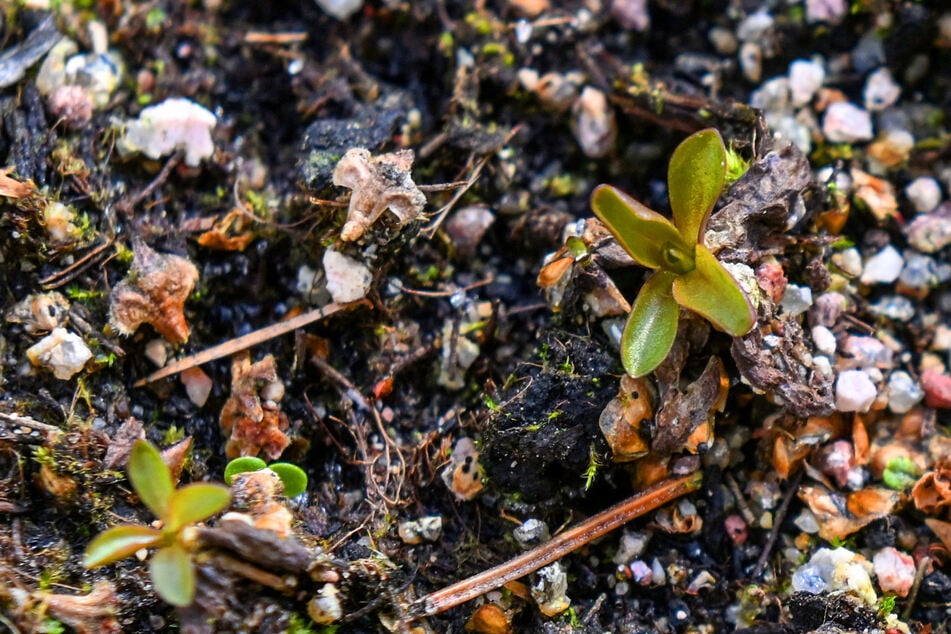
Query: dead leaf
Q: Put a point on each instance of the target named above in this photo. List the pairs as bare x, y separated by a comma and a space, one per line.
839, 515
684, 411
12, 188
252, 421
941, 529
228, 234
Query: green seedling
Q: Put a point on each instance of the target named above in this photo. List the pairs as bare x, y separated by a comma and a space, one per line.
687, 273
292, 476
171, 567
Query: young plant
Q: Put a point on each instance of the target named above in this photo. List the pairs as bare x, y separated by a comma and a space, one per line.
292, 477
687, 274
171, 567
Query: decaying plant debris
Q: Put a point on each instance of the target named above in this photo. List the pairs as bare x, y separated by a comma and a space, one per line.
358, 237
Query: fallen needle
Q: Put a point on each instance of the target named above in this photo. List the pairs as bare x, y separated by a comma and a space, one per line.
559, 546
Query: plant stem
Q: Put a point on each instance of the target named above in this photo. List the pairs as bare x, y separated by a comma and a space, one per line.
572, 539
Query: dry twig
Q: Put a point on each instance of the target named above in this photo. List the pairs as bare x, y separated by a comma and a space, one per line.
561, 545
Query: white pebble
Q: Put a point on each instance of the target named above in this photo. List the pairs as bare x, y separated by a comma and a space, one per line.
754, 26
174, 124
806, 522
849, 261
63, 352
884, 267
751, 61
903, 392
831, 11
805, 78
854, 392
824, 340
881, 90
796, 300
340, 9
895, 571
846, 123
924, 193
347, 279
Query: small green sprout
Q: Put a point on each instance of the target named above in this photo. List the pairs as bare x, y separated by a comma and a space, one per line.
293, 477
687, 274
171, 567
900, 473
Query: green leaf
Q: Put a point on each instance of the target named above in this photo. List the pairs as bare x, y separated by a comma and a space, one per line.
652, 240
695, 179
651, 326
194, 503
173, 575
710, 291
150, 477
293, 477
243, 464
118, 543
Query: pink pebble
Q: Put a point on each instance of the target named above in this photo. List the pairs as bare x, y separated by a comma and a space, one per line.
937, 387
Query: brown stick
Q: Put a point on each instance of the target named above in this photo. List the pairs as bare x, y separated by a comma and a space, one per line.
246, 341
572, 539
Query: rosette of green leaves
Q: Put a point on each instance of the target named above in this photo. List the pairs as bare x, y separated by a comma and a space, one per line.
687, 273
171, 567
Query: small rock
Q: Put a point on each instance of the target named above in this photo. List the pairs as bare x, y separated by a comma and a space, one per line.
805, 78
631, 546
530, 533
735, 527
881, 91
39, 312
838, 570
63, 352
877, 194
594, 123
869, 53
754, 26
347, 279
702, 581
894, 307
891, 149
550, 590
796, 299
467, 226
174, 124
903, 392
631, 14
425, 529
723, 40
846, 123
58, 219
828, 308
751, 61
641, 573
836, 461
931, 232
806, 522
340, 9
824, 340
849, 261
198, 385
895, 571
924, 193
937, 388
830, 11
865, 352
529, 8
156, 351
463, 475
325, 607
884, 267
922, 272
772, 96
854, 391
